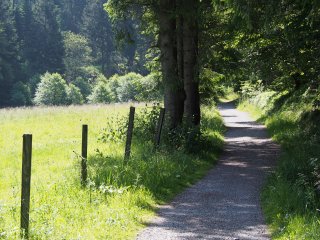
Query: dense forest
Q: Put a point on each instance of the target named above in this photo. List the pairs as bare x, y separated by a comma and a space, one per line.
73, 38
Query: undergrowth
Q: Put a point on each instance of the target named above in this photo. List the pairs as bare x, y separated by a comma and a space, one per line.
291, 196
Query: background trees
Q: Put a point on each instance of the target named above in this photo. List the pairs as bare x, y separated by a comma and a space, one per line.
9, 57
77, 54
63, 36
274, 43
52, 90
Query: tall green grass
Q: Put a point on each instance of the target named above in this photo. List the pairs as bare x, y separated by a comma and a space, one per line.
290, 200
118, 199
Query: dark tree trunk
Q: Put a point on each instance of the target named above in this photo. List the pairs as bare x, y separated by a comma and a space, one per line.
180, 39
190, 55
173, 88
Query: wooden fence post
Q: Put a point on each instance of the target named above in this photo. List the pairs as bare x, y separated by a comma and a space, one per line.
25, 184
129, 134
84, 155
159, 128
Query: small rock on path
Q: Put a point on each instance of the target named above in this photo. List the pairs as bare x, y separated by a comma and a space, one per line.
226, 203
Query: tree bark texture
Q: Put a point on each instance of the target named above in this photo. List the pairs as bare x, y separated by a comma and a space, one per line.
173, 88
190, 61
179, 16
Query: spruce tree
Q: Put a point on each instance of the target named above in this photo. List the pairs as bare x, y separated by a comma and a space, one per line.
9, 56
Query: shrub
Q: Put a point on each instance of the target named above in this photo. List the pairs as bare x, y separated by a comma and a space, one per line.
51, 90
101, 93
86, 78
89, 73
146, 121
210, 85
33, 83
134, 87
74, 95
115, 130
149, 88
84, 86
113, 84
251, 88
128, 87
21, 94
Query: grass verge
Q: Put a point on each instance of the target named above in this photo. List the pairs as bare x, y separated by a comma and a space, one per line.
119, 198
290, 200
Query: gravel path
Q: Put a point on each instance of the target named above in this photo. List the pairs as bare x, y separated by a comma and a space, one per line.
225, 204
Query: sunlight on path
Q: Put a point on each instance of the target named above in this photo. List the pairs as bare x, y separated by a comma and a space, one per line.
226, 203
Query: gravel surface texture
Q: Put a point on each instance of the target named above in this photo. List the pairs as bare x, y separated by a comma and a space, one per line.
226, 203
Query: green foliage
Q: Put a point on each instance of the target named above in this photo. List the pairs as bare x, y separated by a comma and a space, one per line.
40, 37
146, 122
33, 83
68, 37
155, 171
86, 78
98, 29
9, 57
83, 85
277, 41
52, 90
21, 95
211, 85
92, 86
144, 126
101, 93
77, 54
115, 130
185, 138
113, 83
149, 88
251, 88
89, 74
290, 199
134, 87
72, 12
74, 95
128, 87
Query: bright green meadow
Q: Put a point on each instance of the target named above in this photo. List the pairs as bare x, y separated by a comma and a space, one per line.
119, 198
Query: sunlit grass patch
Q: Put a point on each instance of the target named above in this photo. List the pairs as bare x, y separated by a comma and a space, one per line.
119, 198
290, 200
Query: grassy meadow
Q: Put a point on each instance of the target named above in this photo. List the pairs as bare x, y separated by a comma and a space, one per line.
290, 199
119, 198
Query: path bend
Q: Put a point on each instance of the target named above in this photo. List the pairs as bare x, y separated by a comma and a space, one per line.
225, 204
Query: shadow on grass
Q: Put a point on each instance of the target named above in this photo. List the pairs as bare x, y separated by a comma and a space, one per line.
292, 192
163, 172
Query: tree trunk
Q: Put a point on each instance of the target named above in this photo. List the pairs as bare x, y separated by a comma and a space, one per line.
173, 88
190, 55
180, 40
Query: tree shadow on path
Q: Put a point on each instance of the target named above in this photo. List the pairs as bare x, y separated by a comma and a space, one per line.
226, 203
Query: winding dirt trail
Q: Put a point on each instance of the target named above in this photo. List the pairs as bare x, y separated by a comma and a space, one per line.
226, 203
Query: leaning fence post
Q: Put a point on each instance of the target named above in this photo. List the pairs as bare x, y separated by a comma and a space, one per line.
129, 134
25, 184
159, 128
84, 154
